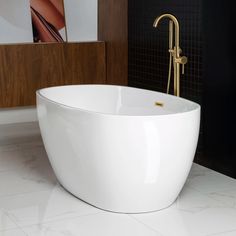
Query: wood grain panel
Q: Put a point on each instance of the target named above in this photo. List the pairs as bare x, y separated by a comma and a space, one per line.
25, 68
113, 29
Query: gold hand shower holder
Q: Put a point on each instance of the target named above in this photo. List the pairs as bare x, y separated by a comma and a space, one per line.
171, 54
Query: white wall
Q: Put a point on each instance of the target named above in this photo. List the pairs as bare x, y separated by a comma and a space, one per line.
81, 20
15, 21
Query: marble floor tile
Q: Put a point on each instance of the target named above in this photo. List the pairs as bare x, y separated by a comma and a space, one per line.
16, 156
25, 168
5, 222
29, 142
192, 201
208, 181
35, 175
198, 171
13, 232
44, 206
226, 196
18, 133
193, 214
229, 233
103, 224
12, 159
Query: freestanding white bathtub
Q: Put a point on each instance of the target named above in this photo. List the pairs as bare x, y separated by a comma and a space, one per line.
120, 149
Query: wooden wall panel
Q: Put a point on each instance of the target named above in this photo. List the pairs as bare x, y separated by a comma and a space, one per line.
113, 29
24, 68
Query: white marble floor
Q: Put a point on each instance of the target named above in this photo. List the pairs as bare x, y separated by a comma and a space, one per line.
33, 203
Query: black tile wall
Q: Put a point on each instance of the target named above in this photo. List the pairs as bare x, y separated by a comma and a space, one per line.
148, 47
219, 83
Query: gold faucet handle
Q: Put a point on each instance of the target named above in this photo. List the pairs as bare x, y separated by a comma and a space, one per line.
183, 61
183, 69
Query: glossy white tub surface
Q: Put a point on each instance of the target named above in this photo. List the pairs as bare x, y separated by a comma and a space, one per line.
112, 147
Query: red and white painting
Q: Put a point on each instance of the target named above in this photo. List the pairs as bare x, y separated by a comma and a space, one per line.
39, 21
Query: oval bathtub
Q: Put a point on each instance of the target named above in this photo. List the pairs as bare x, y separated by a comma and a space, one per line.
118, 148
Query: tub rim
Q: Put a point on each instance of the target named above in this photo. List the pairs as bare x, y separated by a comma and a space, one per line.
39, 94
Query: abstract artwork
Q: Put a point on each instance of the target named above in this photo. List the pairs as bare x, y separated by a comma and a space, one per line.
48, 20
44, 21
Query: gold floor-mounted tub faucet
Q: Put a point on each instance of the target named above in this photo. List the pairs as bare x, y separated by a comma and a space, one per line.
174, 52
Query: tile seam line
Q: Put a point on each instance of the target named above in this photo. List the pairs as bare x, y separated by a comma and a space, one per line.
11, 228
51, 221
208, 195
23, 193
147, 226
228, 231
18, 228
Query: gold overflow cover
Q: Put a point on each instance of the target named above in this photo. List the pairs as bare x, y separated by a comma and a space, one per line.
160, 104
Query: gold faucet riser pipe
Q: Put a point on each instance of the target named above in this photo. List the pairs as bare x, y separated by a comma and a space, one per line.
177, 79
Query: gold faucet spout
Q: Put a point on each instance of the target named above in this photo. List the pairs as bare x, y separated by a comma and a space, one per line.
176, 23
